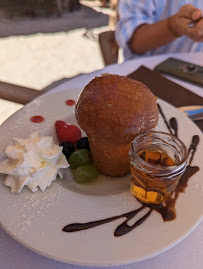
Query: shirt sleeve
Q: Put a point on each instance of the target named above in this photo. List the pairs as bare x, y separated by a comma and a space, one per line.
132, 14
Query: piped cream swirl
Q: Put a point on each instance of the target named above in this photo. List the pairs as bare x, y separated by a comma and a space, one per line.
34, 162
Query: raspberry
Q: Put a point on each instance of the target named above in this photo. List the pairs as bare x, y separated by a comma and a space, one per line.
67, 132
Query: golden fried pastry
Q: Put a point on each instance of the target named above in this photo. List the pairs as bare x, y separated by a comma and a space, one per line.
112, 110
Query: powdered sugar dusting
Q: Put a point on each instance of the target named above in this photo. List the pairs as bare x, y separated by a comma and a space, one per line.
30, 208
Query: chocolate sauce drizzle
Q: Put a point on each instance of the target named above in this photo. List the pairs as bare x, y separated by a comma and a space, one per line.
167, 210
172, 126
121, 229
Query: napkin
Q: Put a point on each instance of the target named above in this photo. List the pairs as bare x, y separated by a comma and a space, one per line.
167, 90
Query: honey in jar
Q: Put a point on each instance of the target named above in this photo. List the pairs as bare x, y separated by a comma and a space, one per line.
157, 161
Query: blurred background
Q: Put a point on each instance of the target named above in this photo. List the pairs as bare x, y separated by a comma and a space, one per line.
44, 42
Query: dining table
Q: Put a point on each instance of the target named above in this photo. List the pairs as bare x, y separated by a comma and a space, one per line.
186, 253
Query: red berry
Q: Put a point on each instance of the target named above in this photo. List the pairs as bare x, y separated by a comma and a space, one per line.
67, 132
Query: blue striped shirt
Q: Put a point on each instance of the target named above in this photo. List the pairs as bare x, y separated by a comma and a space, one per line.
134, 13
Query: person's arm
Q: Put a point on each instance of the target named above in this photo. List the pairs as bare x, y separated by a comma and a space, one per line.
150, 36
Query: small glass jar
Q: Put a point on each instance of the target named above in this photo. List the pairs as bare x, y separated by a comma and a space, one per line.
157, 161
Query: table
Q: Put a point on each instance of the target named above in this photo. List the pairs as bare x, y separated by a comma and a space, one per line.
186, 254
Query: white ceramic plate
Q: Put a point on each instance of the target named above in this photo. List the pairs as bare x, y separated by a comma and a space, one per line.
36, 219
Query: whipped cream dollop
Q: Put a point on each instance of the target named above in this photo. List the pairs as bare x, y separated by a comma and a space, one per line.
34, 162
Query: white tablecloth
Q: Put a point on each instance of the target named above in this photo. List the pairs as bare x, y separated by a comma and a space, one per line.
187, 254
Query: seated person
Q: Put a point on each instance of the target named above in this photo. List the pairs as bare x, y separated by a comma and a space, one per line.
148, 27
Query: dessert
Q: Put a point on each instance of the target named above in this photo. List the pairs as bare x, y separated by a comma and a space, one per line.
112, 110
34, 161
166, 210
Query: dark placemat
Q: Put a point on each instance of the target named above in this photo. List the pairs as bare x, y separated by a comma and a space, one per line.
167, 90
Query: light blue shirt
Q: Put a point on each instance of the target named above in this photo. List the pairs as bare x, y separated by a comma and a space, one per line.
134, 13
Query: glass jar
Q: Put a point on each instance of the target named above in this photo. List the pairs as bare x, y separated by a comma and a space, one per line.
157, 161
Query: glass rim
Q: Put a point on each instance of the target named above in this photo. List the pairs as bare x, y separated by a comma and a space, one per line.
167, 169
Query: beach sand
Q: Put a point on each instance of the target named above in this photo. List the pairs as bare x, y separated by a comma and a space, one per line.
38, 52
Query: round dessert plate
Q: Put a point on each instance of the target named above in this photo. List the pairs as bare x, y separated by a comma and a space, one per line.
36, 219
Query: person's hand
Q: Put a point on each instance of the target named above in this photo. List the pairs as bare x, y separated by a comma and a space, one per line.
179, 23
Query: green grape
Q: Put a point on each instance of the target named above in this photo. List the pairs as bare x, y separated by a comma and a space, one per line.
85, 174
79, 157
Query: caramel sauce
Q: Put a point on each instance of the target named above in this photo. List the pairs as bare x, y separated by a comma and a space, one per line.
156, 158
142, 184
